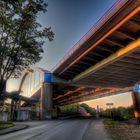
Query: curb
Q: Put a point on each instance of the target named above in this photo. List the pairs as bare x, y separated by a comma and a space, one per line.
14, 130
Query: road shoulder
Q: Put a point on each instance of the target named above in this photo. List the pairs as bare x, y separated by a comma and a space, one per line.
97, 131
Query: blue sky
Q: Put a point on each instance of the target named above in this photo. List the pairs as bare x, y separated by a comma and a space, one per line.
70, 20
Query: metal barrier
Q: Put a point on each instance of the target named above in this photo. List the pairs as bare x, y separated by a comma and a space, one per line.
107, 15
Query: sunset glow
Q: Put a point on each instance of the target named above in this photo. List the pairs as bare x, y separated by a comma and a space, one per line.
118, 100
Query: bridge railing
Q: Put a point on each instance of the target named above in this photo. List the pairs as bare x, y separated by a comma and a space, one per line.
107, 15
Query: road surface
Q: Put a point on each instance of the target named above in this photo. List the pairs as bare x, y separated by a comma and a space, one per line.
74, 129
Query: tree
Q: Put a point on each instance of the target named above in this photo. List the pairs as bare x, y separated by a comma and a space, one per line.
89, 109
14, 95
120, 113
70, 109
21, 37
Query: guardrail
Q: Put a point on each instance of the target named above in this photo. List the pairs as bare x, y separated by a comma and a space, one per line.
107, 15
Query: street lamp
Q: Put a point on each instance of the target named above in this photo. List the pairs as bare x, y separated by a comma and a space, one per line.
110, 105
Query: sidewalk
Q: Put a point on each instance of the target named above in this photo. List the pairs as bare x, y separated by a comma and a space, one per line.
16, 127
97, 131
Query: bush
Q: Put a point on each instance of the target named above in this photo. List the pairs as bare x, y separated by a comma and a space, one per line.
120, 113
74, 109
89, 109
69, 109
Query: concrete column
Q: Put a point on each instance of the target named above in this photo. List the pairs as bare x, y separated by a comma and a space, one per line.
46, 101
136, 103
12, 109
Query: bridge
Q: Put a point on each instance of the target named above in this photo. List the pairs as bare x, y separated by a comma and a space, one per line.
105, 61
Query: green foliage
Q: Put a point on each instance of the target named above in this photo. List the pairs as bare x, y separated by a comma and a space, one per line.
73, 109
4, 125
70, 109
110, 122
21, 36
120, 113
89, 109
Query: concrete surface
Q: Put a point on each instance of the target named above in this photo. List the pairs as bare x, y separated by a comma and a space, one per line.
72, 129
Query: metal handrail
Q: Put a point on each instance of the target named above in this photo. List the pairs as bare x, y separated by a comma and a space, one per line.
107, 15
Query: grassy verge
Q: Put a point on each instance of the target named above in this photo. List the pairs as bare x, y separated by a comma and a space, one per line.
122, 130
109, 124
4, 125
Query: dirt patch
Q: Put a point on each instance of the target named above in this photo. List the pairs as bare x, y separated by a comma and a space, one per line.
123, 131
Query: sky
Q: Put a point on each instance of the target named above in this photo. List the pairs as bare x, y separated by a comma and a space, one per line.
70, 20
118, 100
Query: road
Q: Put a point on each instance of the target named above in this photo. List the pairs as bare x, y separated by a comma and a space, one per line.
74, 129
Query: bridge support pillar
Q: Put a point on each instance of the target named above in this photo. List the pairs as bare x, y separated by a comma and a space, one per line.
136, 102
46, 101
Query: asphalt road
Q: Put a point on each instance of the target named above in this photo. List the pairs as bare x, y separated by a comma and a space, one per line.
75, 129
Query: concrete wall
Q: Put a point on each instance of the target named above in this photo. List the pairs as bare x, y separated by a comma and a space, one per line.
4, 116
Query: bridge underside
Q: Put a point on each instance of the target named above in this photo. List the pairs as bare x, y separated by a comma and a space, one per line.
107, 63
122, 73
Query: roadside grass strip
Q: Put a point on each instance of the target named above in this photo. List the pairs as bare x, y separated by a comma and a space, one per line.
4, 125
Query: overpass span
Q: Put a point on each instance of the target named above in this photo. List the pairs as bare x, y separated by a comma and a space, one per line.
105, 61
106, 57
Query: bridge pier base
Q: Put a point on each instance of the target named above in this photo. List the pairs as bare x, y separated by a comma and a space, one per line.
136, 103
46, 101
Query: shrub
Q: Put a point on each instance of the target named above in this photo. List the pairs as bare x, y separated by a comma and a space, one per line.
120, 113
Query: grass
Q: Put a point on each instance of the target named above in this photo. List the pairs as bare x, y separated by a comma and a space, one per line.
108, 124
4, 125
